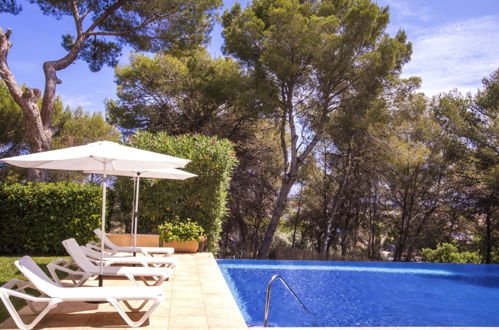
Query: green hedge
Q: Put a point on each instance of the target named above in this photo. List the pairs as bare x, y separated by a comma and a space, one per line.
36, 217
202, 199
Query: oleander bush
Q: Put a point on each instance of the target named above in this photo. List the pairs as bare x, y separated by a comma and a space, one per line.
36, 217
202, 199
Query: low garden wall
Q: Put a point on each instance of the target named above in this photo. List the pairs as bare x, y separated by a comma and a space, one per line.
150, 240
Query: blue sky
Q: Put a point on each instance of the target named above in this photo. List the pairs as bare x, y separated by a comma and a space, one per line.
455, 42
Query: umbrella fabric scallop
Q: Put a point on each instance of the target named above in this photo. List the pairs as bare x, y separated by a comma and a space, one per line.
102, 155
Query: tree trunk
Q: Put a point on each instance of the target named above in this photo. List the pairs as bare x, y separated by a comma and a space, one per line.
336, 201
373, 248
38, 134
38, 131
488, 238
400, 246
292, 161
297, 219
276, 215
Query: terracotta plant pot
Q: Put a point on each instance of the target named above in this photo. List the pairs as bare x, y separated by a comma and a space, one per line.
190, 246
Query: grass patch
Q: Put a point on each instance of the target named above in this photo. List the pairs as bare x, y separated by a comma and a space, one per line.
9, 271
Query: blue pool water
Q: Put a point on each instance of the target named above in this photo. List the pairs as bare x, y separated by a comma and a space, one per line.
366, 293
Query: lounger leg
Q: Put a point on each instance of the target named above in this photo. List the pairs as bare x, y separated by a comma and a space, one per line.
21, 287
127, 319
78, 282
78, 277
83, 279
59, 264
54, 275
159, 280
132, 279
32, 307
135, 309
17, 318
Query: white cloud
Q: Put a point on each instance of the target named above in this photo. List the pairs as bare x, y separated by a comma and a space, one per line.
409, 9
456, 55
74, 101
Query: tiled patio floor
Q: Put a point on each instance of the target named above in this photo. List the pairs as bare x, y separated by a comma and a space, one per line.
197, 298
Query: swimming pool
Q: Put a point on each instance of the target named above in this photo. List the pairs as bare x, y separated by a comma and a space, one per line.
366, 293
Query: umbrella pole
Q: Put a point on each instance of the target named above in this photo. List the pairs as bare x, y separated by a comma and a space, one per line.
132, 226
103, 220
136, 216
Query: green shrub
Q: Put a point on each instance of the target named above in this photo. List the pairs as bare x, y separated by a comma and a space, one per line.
36, 217
448, 253
495, 256
180, 230
202, 199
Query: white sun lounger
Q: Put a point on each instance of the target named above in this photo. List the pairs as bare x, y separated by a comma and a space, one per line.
89, 270
110, 259
52, 294
147, 251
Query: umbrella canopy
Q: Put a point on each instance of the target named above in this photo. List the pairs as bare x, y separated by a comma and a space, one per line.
103, 155
166, 173
92, 156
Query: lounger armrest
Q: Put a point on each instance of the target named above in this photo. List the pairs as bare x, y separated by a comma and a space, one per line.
96, 247
93, 245
16, 287
63, 262
25, 296
63, 266
13, 283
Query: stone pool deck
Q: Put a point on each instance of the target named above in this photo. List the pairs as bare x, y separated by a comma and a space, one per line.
197, 298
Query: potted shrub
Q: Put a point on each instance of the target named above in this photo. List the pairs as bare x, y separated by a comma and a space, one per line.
182, 235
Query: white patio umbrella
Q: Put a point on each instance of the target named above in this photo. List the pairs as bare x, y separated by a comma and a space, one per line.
102, 155
166, 173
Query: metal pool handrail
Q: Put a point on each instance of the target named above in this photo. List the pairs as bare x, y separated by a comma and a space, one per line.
267, 300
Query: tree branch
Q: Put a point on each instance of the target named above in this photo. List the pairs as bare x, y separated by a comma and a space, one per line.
317, 136
89, 9
111, 9
27, 99
76, 16
284, 147
51, 67
125, 32
292, 125
5, 72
